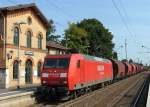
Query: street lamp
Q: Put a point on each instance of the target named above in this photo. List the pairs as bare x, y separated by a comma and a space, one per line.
145, 47
19, 61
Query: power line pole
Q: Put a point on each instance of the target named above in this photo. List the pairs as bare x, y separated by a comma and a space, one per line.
126, 49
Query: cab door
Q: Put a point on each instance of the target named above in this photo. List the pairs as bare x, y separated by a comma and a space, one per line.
81, 66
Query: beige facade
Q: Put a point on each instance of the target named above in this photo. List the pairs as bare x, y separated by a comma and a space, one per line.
27, 19
55, 48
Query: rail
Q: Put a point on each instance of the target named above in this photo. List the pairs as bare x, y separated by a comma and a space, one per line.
140, 93
92, 98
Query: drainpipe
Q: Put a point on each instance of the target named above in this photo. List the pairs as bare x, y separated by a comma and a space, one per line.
4, 51
4, 35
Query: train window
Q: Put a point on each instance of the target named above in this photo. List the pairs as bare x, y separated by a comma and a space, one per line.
78, 64
56, 63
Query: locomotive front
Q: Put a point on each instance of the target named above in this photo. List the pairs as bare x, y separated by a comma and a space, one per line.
55, 70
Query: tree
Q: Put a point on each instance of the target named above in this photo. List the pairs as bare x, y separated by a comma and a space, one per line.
131, 61
50, 34
100, 39
124, 60
76, 38
115, 55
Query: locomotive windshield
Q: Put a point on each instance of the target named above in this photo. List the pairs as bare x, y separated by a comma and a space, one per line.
56, 63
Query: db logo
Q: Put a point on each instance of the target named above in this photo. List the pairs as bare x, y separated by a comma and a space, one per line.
100, 68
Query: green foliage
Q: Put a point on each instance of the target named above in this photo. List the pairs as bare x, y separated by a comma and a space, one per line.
100, 39
124, 60
89, 37
76, 38
131, 61
50, 34
115, 55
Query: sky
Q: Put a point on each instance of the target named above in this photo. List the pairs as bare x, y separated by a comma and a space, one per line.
126, 19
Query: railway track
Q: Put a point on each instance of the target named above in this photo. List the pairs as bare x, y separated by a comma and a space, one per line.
121, 95
136, 96
104, 96
141, 97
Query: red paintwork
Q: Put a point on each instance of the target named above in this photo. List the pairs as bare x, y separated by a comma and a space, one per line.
87, 72
126, 68
130, 69
90, 71
55, 80
118, 69
133, 68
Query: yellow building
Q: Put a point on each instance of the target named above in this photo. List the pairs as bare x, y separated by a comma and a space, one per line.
22, 45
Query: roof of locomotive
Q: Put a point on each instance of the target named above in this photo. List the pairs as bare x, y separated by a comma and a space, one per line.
96, 58
88, 57
58, 56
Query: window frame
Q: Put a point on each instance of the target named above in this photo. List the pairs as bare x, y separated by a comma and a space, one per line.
16, 36
29, 39
39, 41
15, 69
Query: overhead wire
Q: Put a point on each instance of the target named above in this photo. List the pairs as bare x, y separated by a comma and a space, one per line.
122, 18
56, 22
61, 9
13, 2
125, 22
131, 32
125, 13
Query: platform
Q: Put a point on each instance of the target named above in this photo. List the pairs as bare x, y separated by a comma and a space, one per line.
148, 98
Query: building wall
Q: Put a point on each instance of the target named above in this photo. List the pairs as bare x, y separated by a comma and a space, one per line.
38, 54
36, 27
35, 59
53, 51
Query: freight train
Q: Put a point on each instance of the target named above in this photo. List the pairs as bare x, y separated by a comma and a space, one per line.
76, 74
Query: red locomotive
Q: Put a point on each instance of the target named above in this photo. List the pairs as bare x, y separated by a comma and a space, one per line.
76, 74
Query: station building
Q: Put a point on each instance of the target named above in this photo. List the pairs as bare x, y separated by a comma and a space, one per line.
54, 48
22, 45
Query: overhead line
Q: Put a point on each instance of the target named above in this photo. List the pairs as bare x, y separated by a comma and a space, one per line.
10, 1
59, 24
15, 3
127, 17
61, 9
125, 13
122, 19
124, 22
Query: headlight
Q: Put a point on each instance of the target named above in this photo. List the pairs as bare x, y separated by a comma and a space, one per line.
44, 82
65, 82
63, 74
45, 74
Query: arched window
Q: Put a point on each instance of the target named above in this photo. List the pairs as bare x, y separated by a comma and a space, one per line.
39, 67
29, 40
16, 36
40, 41
15, 69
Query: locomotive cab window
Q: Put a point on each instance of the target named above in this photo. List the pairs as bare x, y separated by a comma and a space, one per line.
78, 64
56, 63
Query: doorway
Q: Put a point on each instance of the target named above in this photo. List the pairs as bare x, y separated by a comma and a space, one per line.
28, 72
